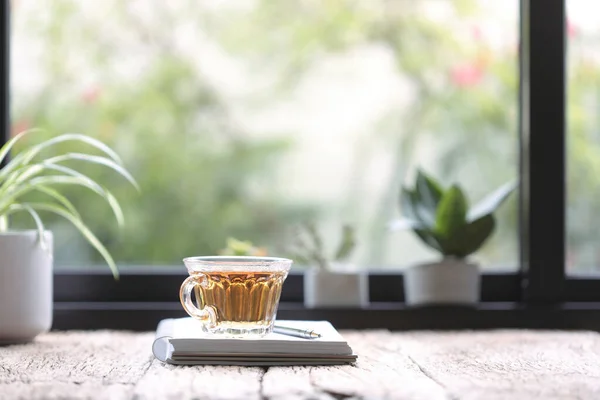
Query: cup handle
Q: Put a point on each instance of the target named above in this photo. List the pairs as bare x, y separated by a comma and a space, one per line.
206, 315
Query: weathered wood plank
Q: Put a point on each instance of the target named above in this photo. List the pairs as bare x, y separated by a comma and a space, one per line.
382, 371
291, 383
509, 364
78, 357
163, 381
65, 390
75, 365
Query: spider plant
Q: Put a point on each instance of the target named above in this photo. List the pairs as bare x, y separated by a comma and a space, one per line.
27, 172
312, 252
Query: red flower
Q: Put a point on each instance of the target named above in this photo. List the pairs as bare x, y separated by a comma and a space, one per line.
476, 33
19, 127
466, 75
572, 30
91, 95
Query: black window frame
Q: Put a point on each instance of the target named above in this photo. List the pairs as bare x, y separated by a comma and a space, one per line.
537, 295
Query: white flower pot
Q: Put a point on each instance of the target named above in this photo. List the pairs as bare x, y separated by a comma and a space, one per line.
324, 288
25, 286
450, 281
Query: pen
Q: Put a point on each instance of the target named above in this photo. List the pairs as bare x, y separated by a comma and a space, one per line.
301, 333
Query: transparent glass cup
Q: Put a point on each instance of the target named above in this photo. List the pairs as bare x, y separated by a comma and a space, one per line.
235, 296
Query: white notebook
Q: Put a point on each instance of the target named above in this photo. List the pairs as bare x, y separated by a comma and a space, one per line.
181, 341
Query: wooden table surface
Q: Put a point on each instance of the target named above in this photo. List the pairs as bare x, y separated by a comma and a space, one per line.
411, 365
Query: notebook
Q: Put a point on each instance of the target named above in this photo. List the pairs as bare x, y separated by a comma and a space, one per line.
181, 341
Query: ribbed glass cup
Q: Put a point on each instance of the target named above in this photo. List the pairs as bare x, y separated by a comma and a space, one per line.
234, 296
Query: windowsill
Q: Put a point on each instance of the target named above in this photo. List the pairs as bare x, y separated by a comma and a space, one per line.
92, 299
161, 284
144, 316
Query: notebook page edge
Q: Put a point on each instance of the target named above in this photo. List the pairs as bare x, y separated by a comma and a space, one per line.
182, 342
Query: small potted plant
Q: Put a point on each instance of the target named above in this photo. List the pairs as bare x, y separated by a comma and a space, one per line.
26, 256
236, 247
443, 220
330, 281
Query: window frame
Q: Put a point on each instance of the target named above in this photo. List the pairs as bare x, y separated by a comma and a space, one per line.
536, 295
542, 162
544, 159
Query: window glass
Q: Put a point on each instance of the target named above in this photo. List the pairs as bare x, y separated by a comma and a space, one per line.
583, 139
244, 118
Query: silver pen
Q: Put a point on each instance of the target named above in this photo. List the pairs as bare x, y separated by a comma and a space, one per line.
301, 333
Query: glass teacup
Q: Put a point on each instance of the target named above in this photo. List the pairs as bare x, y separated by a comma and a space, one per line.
235, 296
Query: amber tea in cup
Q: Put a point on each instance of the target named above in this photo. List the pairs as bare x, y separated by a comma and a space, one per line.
234, 296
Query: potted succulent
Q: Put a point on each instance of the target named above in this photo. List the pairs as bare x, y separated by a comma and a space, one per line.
442, 219
26, 256
330, 281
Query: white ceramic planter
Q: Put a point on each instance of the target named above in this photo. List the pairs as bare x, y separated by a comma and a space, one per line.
323, 288
450, 281
25, 286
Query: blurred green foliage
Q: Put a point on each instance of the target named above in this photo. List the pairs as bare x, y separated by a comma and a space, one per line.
200, 181
203, 179
465, 94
